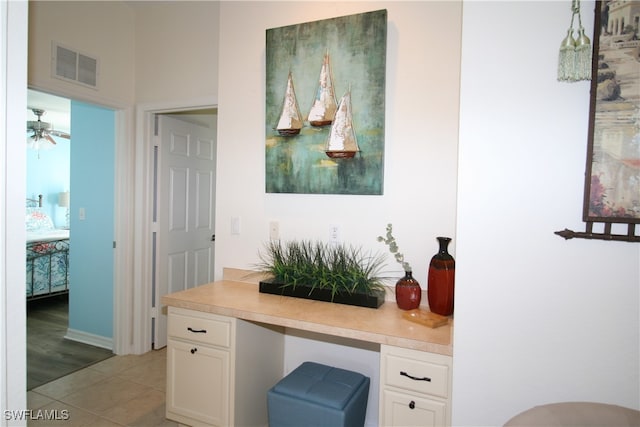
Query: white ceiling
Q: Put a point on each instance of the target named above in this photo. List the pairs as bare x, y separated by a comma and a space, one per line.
57, 109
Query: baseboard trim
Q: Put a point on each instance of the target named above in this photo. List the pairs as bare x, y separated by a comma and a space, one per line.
91, 339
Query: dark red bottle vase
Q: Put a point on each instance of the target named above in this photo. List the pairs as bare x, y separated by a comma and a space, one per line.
408, 292
441, 280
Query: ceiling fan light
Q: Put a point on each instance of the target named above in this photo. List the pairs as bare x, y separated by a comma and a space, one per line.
42, 132
37, 143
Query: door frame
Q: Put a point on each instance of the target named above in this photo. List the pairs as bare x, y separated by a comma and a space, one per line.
121, 342
13, 109
144, 227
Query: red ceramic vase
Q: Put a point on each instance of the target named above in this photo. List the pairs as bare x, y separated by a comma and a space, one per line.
408, 292
441, 280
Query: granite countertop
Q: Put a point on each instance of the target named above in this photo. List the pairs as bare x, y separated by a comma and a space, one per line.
385, 325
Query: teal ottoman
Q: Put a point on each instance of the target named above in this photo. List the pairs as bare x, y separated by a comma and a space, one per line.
318, 395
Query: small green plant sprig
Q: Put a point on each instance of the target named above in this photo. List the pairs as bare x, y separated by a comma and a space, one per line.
390, 241
339, 268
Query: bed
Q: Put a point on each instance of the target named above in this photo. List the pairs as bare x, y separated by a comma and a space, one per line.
47, 254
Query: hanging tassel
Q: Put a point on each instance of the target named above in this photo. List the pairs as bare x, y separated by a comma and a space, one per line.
574, 61
583, 56
567, 58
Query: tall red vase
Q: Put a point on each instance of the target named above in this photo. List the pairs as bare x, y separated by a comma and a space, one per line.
441, 280
408, 292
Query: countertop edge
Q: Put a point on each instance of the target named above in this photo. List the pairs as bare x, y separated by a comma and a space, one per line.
180, 300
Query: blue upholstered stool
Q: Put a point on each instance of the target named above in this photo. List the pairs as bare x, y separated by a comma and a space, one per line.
318, 395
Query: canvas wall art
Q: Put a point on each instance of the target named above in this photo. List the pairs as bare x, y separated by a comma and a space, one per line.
612, 188
325, 106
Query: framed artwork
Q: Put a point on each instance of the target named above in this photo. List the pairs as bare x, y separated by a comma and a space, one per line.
612, 185
325, 106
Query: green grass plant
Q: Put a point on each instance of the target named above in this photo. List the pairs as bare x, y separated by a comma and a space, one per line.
337, 267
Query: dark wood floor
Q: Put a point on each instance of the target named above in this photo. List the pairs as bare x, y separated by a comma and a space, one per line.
49, 355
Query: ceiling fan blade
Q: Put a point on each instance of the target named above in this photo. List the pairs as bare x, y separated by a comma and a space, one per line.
43, 130
60, 134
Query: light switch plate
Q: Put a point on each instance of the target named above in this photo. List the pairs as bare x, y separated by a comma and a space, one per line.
235, 225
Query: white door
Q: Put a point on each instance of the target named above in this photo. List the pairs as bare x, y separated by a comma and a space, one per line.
185, 189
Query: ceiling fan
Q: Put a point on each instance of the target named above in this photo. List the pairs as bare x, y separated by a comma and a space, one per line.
38, 130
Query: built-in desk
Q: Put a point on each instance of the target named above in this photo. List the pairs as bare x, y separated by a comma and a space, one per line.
243, 346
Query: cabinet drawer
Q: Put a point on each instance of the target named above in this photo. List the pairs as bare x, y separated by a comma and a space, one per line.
199, 327
415, 371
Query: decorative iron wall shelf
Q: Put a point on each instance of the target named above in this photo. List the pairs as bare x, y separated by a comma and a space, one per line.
631, 235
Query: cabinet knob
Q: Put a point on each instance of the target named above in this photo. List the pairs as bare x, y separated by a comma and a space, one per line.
193, 350
412, 404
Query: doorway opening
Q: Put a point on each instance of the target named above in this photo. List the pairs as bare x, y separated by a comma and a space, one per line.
178, 209
79, 330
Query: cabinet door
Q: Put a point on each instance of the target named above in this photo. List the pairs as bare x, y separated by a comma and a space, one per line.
197, 383
406, 410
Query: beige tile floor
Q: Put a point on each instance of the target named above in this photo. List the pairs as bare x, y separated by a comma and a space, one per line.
120, 391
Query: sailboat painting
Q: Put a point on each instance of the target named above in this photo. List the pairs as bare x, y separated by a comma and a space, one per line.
330, 146
342, 142
290, 121
323, 109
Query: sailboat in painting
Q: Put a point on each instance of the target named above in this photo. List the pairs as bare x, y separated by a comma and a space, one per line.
290, 121
323, 109
342, 142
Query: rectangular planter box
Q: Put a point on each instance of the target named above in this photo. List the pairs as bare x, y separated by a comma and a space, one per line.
374, 300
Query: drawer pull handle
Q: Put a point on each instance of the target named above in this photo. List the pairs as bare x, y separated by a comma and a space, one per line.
412, 404
415, 378
193, 350
197, 331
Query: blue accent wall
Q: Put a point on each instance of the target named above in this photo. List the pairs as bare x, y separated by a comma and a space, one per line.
91, 238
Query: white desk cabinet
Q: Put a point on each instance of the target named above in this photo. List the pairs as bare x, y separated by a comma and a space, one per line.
415, 387
215, 361
225, 380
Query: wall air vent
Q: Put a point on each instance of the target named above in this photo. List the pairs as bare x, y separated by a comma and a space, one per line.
73, 66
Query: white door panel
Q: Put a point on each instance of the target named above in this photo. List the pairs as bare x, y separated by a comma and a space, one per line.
185, 206
177, 203
203, 265
204, 183
177, 272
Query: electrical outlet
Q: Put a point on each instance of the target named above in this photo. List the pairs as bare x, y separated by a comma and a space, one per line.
81, 214
274, 230
334, 233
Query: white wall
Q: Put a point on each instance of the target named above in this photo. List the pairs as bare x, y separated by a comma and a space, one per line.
103, 30
538, 319
155, 52
176, 55
422, 96
420, 142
